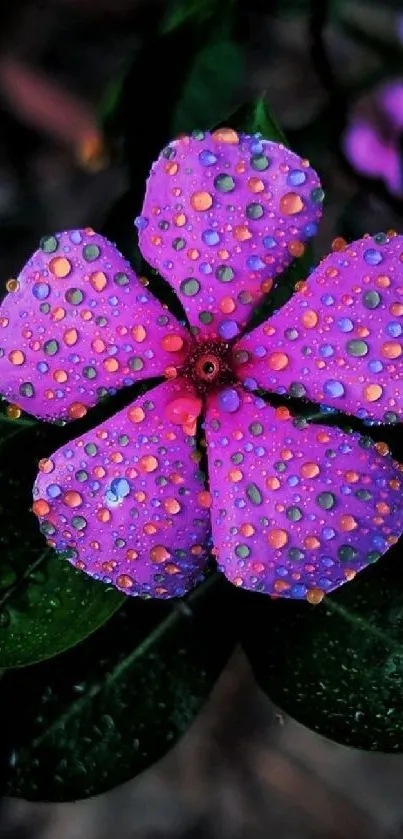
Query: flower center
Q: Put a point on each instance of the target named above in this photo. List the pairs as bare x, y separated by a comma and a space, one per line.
208, 366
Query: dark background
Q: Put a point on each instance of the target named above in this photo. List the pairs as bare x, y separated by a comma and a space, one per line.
243, 771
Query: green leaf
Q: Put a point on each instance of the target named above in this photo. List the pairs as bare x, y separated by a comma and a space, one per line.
336, 667
100, 714
212, 87
201, 74
45, 605
257, 118
180, 11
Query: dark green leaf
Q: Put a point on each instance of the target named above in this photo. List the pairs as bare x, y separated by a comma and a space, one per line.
100, 714
180, 11
45, 605
257, 118
211, 89
199, 81
336, 667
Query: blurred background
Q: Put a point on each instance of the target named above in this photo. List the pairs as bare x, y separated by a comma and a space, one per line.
332, 73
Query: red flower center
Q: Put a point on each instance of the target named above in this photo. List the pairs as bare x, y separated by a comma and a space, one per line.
209, 366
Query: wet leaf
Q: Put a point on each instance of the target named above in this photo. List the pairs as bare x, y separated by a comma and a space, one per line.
104, 712
256, 117
212, 86
201, 63
336, 667
45, 605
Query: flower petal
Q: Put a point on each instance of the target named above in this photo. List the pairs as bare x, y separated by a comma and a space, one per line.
126, 500
339, 340
296, 511
79, 324
223, 214
372, 154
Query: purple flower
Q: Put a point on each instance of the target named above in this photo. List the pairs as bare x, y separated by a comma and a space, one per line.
293, 509
371, 141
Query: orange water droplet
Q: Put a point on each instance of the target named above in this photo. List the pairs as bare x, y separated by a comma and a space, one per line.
70, 337
311, 543
58, 314
60, 266
309, 319
135, 414
60, 376
148, 463
278, 361
204, 499
201, 201
180, 219
225, 135
372, 392
98, 345
315, 596
291, 203
183, 409
348, 523
16, 357
72, 498
277, 538
296, 248
46, 465
382, 448
12, 285
255, 185
309, 470
77, 410
172, 343
241, 233
139, 334
41, 507
247, 530
111, 364
339, 244
227, 305
124, 581
391, 349
159, 554
13, 411
172, 506
282, 413
103, 515
98, 280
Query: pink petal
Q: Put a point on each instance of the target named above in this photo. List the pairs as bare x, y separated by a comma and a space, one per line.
373, 155
80, 324
390, 100
126, 500
296, 511
339, 340
224, 214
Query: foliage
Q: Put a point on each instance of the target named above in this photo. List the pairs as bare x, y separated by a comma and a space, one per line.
99, 686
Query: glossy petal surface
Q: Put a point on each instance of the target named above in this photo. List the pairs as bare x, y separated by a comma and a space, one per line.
224, 213
296, 511
339, 340
78, 325
126, 500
